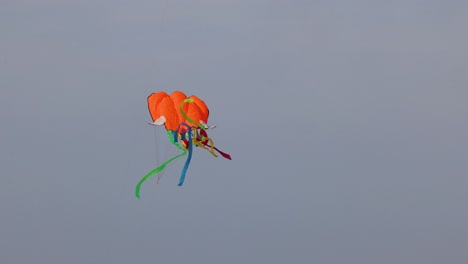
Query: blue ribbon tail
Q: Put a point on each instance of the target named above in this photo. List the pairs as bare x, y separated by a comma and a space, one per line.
189, 157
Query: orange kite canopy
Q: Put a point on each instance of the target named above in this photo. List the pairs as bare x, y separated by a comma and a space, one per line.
166, 109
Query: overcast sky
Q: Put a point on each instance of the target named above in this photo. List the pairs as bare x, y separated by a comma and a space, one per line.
347, 122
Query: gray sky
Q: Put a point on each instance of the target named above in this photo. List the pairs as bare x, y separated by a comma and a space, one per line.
346, 120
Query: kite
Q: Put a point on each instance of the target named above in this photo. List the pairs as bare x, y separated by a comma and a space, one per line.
185, 119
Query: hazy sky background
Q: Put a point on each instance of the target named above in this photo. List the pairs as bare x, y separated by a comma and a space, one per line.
347, 122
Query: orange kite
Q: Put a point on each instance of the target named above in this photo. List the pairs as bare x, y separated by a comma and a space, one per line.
185, 119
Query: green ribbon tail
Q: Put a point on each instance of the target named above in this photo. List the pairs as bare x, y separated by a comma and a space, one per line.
154, 172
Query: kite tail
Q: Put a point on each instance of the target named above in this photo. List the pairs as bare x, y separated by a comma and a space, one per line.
190, 143
205, 140
154, 172
189, 157
201, 137
225, 155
